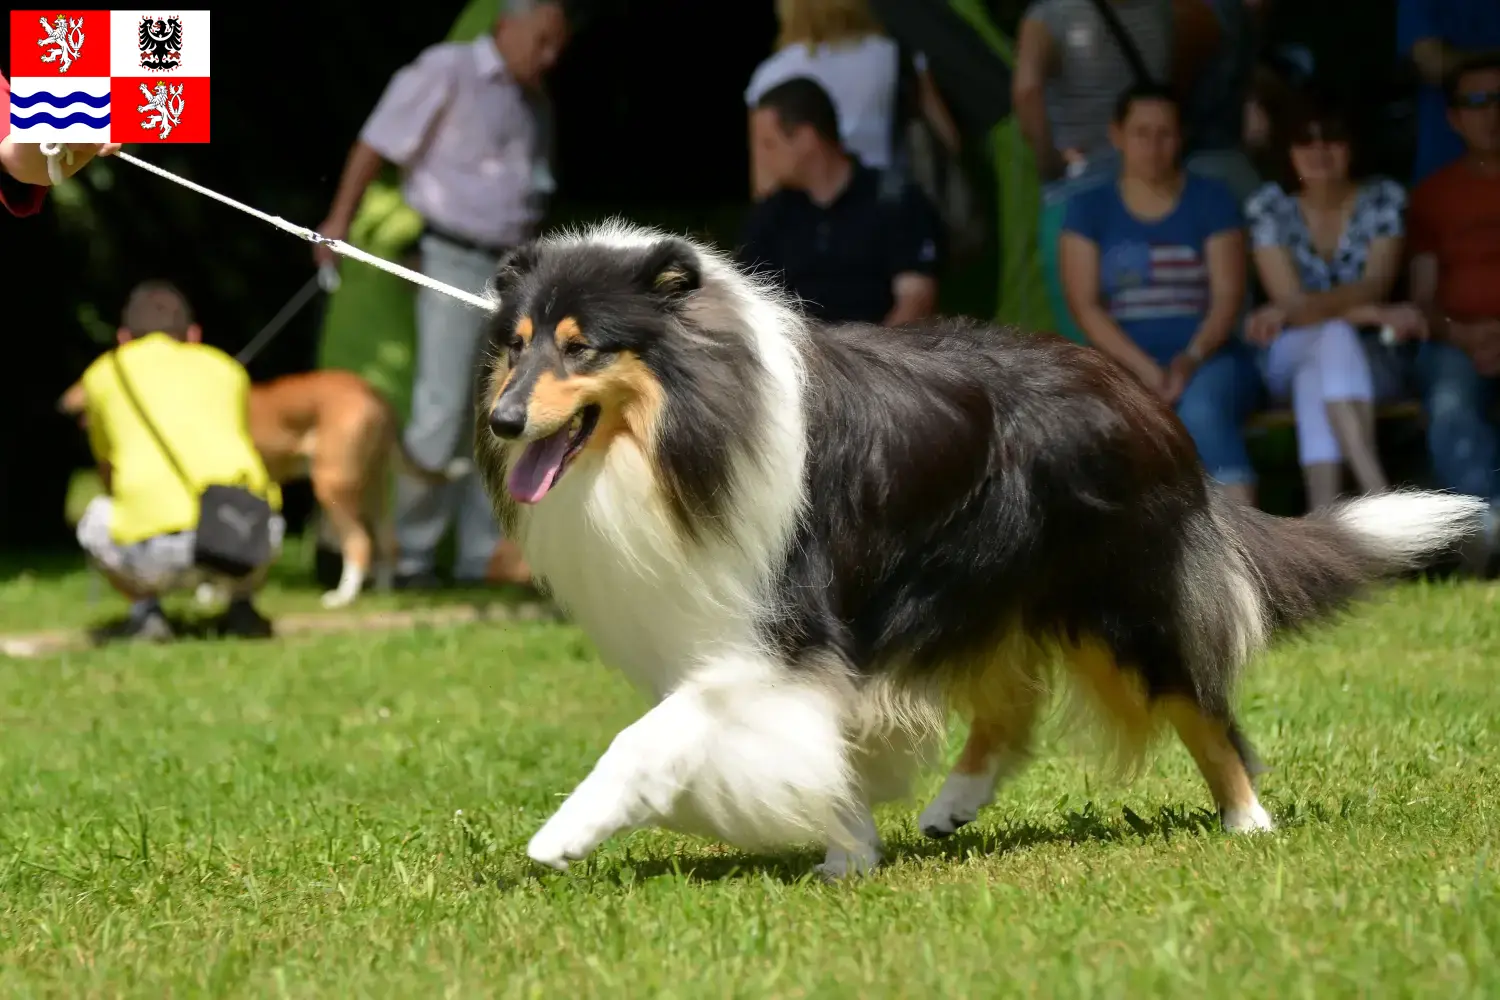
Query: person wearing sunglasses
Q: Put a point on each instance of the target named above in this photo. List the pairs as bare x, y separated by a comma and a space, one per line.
1328, 243
1454, 245
1438, 35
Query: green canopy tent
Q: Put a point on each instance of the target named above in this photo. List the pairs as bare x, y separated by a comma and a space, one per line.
369, 325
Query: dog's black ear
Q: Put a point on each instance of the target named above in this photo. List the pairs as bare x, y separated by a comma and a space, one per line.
514, 266
671, 270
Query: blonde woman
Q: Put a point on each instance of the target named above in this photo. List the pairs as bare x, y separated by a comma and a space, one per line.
839, 44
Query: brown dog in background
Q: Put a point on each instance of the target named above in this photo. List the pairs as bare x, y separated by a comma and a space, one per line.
332, 427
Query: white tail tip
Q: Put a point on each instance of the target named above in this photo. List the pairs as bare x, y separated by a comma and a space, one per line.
1407, 526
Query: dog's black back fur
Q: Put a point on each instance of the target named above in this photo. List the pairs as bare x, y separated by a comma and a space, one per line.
967, 479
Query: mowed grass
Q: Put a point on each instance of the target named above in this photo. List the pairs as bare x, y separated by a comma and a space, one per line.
63, 594
347, 815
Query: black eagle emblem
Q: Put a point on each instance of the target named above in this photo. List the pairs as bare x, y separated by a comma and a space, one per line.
161, 42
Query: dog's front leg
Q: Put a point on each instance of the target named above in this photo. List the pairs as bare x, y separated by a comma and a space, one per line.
742, 751
861, 853
636, 783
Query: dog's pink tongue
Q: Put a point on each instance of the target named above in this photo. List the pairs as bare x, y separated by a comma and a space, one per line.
537, 468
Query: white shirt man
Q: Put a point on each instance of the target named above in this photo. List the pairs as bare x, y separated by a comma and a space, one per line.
471, 131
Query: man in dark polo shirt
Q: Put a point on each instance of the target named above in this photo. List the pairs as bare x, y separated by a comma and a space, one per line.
853, 243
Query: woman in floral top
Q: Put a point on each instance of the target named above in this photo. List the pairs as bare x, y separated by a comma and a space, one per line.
1328, 251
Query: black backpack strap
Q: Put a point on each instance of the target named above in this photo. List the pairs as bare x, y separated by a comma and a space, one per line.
140, 411
1127, 44
905, 103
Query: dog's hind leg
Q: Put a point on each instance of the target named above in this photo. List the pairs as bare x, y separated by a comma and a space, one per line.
1226, 761
1003, 702
381, 516
998, 747
741, 751
342, 505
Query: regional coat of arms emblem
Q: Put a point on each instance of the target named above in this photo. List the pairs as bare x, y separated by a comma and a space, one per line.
64, 37
160, 40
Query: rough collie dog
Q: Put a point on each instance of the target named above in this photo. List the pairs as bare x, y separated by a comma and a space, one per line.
808, 544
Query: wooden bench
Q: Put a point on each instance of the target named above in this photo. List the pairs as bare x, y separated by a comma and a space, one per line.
1274, 420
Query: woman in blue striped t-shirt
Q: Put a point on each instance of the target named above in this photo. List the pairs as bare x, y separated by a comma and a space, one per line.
1153, 266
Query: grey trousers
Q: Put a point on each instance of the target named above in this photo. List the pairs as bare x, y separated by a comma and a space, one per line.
450, 347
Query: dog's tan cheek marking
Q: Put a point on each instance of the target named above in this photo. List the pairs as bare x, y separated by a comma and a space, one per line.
566, 331
631, 400
554, 401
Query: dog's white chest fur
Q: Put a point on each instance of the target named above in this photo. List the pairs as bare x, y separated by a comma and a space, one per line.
654, 605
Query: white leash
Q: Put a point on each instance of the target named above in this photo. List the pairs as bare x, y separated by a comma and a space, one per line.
54, 152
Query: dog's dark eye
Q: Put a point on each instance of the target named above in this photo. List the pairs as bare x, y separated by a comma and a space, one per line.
517, 345
577, 349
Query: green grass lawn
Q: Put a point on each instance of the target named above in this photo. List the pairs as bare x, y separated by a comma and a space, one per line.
40, 596
348, 814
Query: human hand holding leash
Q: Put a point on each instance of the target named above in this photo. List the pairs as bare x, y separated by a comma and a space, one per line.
335, 228
49, 163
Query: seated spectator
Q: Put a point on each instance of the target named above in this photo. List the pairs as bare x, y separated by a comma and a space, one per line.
853, 243
1455, 275
1153, 267
141, 534
839, 44
1328, 250
1070, 71
1438, 36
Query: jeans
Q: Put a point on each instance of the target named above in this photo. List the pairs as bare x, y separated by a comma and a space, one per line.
1461, 437
1222, 393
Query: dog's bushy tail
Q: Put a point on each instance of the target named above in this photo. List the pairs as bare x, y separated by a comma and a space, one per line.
1281, 573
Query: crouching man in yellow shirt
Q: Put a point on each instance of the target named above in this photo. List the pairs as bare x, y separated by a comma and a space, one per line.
142, 534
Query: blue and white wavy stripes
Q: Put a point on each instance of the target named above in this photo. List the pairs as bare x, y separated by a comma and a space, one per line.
42, 110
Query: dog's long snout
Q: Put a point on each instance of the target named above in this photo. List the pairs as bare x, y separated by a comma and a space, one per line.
508, 418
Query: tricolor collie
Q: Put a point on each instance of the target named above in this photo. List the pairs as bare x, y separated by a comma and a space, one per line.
809, 543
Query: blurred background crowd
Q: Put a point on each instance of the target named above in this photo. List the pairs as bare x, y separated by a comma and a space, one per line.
1283, 218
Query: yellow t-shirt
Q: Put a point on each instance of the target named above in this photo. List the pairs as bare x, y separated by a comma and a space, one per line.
198, 398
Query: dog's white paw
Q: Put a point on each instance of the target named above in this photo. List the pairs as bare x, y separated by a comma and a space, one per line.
207, 595
1248, 819
841, 863
555, 845
337, 599
957, 803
